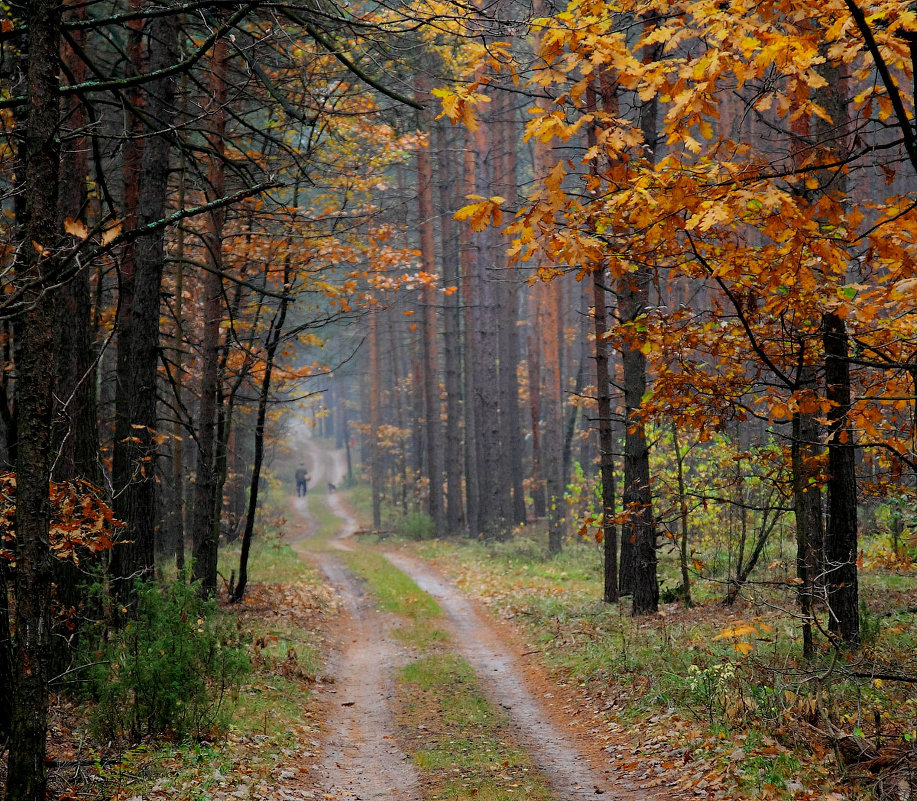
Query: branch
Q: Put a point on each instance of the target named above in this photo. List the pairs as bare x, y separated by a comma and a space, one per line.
124, 83
360, 73
904, 124
753, 340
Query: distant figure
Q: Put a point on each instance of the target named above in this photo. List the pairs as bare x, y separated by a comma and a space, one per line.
331, 488
302, 478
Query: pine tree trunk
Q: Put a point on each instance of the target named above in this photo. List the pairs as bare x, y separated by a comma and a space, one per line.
533, 365
203, 532
40, 157
506, 275
493, 479
470, 352
375, 468
138, 357
451, 326
430, 376
75, 432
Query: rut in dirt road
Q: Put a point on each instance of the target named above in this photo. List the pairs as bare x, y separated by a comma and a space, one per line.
361, 758
571, 776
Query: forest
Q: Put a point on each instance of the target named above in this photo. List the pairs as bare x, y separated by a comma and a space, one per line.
431, 399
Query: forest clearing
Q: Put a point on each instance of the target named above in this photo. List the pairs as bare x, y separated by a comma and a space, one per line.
429, 400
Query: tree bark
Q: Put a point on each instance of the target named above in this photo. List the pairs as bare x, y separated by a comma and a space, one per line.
433, 450
26, 777
638, 500
203, 533
470, 351
841, 535
275, 333
136, 449
375, 468
493, 481
506, 278
606, 438
75, 432
451, 328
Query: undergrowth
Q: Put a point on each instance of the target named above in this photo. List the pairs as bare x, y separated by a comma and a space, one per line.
171, 669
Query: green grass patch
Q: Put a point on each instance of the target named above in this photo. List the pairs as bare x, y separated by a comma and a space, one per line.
271, 710
421, 634
394, 591
461, 744
680, 672
270, 561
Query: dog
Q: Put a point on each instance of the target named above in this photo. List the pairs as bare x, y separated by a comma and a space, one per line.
331, 488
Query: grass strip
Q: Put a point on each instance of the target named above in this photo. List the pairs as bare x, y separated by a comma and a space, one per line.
394, 591
461, 744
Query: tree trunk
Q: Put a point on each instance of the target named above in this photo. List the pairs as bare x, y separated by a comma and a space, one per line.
506, 278
75, 432
840, 548
430, 376
138, 357
807, 505
205, 542
375, 468
841, 535
493, 481
275, 333
26, 777
606, 437
178, 429
451, 325
603, 392
638, 499
470, 358
533, 364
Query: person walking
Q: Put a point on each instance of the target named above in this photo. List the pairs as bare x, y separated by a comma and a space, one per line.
302, 481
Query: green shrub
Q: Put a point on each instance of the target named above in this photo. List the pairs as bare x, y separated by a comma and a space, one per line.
168, 671
418, 526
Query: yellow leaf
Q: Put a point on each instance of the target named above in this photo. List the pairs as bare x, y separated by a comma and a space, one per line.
76, 228
780, 411
743, 648
731, 632
111, 234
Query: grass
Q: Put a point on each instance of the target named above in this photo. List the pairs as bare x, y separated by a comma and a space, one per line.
273, 712
270, 561
393, 590
460, 743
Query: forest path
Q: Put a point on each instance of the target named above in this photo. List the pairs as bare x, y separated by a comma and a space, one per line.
361, 758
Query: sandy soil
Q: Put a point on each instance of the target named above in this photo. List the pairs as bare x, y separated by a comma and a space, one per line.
568, 768
361, 759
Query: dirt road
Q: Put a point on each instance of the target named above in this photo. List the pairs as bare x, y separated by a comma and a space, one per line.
361, 759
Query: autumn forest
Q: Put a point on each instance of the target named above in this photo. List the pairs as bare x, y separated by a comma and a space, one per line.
431, 399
